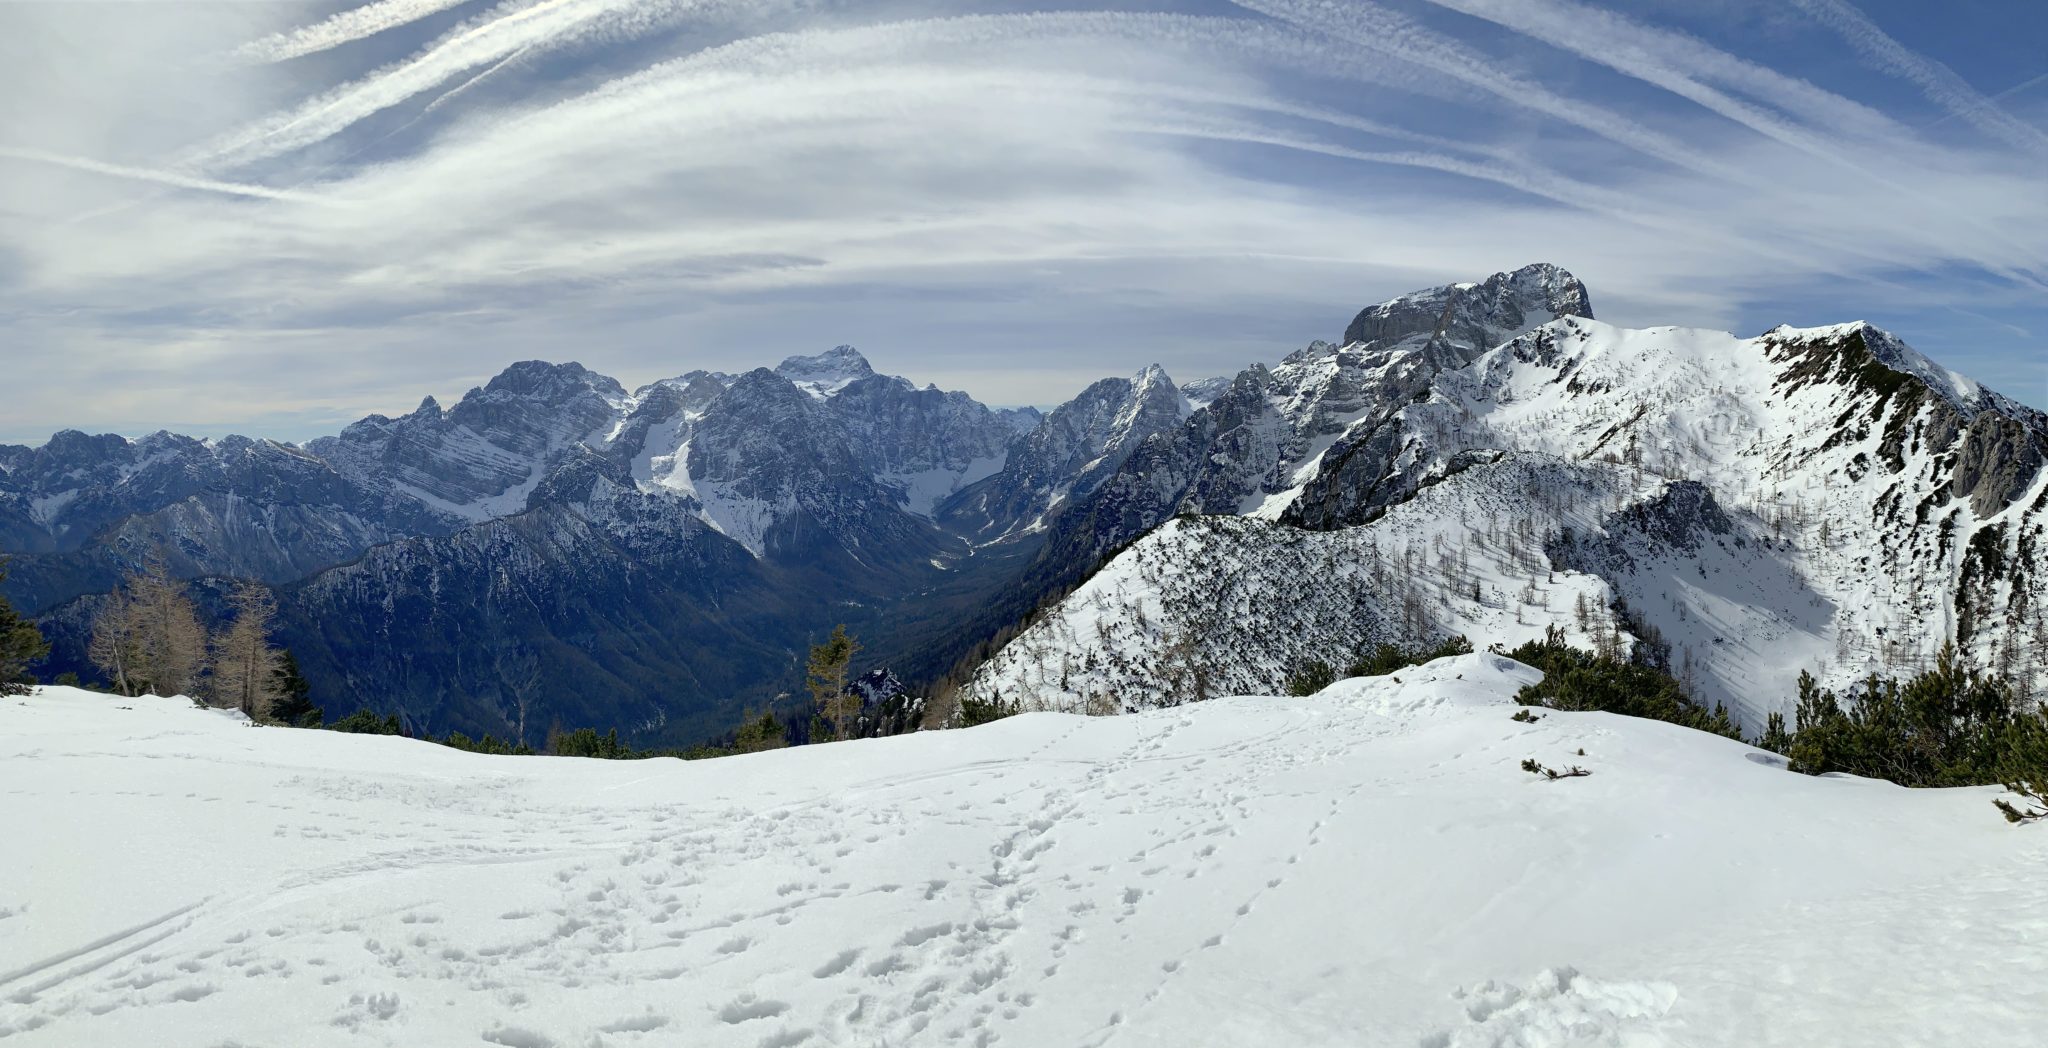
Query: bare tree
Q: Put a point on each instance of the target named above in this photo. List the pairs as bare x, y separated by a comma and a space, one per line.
245, 666
148, 637
116, 645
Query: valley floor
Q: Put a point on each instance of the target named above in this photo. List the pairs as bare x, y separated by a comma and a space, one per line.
1369, 866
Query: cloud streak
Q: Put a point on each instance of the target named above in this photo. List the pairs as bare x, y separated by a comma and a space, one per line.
344, 27
173, 179
687, 183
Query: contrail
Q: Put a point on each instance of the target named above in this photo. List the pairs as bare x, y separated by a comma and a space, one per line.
165, 178
1937, 81
1999, 97
1384, 31
1678, 63
1670, 61
345, 27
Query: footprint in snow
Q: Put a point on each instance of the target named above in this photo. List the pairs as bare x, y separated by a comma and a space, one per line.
836, 965
747, 1008
1556, 999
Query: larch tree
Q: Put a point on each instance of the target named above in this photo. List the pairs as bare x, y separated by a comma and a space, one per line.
148, 638
20, 644
247, 670
116, 644
829, 665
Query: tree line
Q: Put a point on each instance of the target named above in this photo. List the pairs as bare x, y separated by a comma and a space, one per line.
147, 639
1951, 725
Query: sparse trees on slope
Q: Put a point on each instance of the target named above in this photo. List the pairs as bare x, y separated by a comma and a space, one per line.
20, 644
246, 669
147, 637
829, 666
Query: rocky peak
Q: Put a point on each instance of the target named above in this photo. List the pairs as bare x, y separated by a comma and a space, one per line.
1455, 323
551, 382
828, 372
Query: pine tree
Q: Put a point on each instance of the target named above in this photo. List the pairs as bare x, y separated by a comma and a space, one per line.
759, 733
830, 663
1775, 738
294, 704
246, 669
20, 644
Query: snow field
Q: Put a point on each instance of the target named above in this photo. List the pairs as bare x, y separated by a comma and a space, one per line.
1368, 866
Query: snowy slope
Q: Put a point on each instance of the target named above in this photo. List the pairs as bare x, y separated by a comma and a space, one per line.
1368, 866
1810, 499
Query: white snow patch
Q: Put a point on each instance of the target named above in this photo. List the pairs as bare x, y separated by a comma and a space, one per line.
1365, 866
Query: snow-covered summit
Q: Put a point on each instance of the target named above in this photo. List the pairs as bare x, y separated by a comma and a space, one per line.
1365, 866
1963, 393
828, 372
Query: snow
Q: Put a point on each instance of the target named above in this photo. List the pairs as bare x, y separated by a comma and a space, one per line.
1365, 866
44, 510
923, 489
743, 519
739, 517
1959, 389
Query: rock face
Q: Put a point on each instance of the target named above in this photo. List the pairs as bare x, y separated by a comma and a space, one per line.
1322, 424
479, 459
1068, 455
1451, 325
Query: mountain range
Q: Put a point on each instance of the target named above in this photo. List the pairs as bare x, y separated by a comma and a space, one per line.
1483, 458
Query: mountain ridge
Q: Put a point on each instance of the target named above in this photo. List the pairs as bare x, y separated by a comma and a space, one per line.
820, 491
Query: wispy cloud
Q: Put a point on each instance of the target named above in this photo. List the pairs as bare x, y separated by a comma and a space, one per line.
344, 27
509, 30
655, 186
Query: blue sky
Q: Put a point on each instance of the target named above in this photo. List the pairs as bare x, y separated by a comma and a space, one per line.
277, 217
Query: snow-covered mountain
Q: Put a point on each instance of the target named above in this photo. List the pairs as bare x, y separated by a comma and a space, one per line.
1257, 442
736, 516
1823, 499
1483, 458
79, 511
480, 459
1367, 866
1068, 455
80, 508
